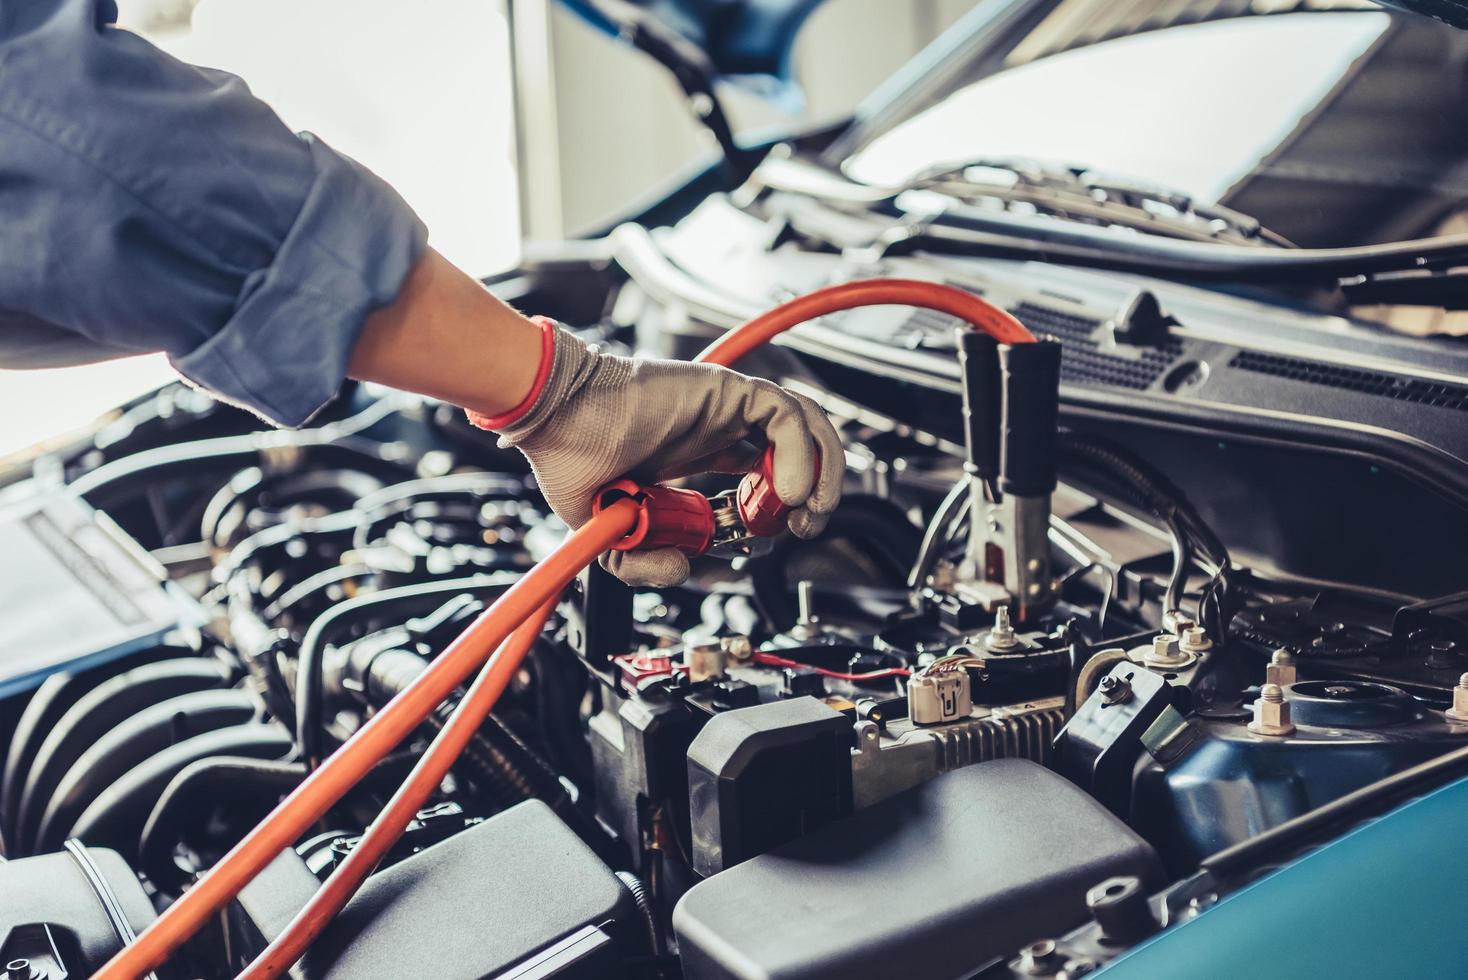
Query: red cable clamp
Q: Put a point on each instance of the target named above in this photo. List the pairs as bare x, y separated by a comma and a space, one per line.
727, 525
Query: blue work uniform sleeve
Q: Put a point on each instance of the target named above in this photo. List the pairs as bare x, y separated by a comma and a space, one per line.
147, 204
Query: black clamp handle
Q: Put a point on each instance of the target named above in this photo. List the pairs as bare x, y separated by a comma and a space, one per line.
1031, 416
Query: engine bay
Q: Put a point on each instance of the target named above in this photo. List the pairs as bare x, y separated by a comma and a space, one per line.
1000, 719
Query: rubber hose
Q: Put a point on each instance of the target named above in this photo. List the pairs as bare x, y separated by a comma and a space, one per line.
134, 742
310, 687
46, 707
638, 891
180, 804
496, 761
357, 756
93, 715
115, 818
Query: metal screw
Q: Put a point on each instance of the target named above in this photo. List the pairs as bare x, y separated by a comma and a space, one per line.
1271, 712
805, 593
1459, 710
1002, 636
1281, 669
738, 647
1165, 652
806, 619
705, 660
1114, 690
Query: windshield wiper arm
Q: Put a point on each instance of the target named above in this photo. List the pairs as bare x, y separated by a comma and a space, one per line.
960, 229
1081, 194
1000, 235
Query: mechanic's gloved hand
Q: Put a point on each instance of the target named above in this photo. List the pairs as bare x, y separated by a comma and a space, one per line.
597, 417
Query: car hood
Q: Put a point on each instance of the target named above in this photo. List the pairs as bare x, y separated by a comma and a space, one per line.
746, 42
1454, 12
749, 42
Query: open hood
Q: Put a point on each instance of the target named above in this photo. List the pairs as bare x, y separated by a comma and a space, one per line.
745, 42
749, 42
1454, 12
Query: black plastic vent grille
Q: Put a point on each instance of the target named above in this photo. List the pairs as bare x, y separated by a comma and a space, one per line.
1081, 359
932, 323
1414, 390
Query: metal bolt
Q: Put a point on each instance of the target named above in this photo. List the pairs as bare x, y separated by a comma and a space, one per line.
1039, 958
1195, 640
1114, 690
806, 619
738, 647
1165, 652
705, 661
1459, 710
21, 968
805, 593
1271, 712
1281, 669
1002, 635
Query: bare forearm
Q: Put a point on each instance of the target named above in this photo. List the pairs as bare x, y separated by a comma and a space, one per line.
445, 335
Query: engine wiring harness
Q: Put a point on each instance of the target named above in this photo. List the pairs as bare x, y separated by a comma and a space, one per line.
498, 639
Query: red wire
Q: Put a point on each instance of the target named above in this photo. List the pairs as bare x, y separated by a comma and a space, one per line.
770, 660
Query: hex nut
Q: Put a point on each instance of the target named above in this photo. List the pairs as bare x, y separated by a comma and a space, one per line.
738, 647
1166, 653
1281, 669
1459, 711
1002, 635
1114, 689
1194, 640
1039, 958
1271, 713
705, 660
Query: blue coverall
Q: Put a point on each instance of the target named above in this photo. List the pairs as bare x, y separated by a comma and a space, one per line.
147, 204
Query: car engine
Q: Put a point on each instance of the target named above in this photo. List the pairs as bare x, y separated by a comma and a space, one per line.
1000, 719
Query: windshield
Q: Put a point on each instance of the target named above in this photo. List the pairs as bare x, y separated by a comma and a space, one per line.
1332, 128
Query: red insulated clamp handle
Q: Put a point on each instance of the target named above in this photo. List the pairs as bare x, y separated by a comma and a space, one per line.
667, 517
760, 509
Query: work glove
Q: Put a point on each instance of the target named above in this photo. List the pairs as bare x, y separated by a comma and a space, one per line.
594, 418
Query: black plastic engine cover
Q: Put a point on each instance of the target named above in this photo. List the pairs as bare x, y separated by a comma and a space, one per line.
763, 775
517, 894
54, 910
931, 883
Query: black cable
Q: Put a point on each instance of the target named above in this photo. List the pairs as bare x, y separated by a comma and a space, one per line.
1149, 489
1078, 652
310, 693
1182, 556
178, 806
643, 901
690, 67
937, 533
496, 761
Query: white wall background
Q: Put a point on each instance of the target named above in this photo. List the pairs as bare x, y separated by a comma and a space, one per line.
421, 91
622, 123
